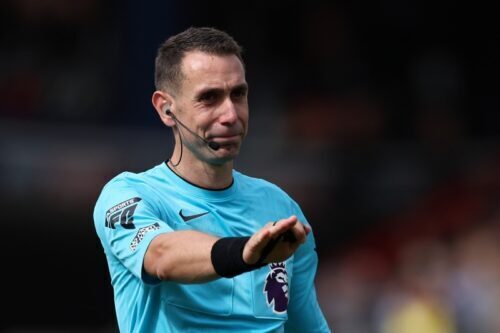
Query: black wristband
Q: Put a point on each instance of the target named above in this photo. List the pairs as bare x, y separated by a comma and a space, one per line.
227, 257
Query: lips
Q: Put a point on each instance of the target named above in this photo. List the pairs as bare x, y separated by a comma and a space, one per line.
225, 140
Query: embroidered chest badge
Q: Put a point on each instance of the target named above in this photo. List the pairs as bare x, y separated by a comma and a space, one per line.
276, 287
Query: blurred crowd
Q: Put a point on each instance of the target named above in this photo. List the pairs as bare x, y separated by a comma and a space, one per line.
436, 270
435, 286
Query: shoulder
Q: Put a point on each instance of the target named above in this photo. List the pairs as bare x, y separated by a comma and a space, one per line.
126, 186
124, 181
260, 186
268, 195
130, 181
127, 191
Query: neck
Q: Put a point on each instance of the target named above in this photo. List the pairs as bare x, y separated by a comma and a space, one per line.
201, 173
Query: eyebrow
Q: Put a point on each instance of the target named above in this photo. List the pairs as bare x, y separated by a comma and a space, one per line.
242, 86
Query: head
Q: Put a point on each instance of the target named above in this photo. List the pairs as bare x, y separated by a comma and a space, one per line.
168, 63
200, 78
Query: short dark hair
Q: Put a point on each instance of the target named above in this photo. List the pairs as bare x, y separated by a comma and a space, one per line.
168, 71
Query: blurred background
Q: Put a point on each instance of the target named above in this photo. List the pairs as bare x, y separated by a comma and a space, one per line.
380, 118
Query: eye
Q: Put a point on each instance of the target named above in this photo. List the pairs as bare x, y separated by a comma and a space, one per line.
239, 93
209, 97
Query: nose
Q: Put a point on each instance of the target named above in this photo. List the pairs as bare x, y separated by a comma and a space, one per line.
229, 114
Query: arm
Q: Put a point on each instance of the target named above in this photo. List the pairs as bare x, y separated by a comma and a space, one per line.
185, 256
304, 312
181, 256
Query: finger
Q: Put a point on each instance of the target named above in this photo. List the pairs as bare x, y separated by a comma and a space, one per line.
283, 225
297, 234
272, 230
255, 245
301, 231
259, 240
291, 219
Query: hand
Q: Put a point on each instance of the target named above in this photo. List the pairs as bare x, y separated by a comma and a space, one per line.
283, 249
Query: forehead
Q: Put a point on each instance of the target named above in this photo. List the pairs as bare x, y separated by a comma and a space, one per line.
202, 70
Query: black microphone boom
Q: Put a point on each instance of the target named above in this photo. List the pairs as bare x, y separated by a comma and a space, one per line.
212, 144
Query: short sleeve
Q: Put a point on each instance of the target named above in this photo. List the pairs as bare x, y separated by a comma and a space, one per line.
126, 220
304, 312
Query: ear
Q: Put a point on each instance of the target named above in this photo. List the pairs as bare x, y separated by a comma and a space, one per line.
161, 102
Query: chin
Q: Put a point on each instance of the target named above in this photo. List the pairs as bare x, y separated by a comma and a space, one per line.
220, 161
223, 156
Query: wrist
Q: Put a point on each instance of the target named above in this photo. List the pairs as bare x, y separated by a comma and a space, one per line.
227, 257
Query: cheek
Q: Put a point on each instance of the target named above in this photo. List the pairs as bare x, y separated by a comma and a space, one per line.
243, 117
203, 121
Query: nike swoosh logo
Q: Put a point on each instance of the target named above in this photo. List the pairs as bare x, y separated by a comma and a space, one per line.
186, 218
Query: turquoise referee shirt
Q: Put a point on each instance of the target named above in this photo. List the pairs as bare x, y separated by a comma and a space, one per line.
134, 208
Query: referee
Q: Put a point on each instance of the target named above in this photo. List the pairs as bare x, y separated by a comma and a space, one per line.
193, 245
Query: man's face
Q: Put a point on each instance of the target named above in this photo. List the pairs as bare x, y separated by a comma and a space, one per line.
212, 102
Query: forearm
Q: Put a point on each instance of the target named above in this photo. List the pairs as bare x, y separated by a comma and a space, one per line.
181, 256
190, 256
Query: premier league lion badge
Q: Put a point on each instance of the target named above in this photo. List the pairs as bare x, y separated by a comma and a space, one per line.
276, 287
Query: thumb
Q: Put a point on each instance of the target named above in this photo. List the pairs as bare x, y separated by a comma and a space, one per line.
255, 245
